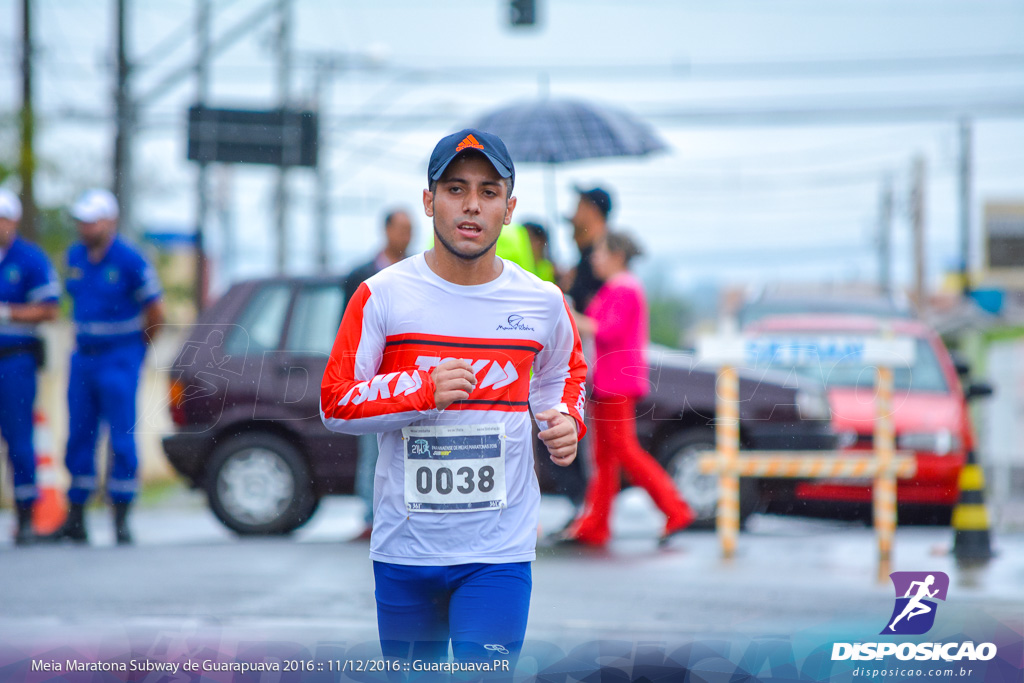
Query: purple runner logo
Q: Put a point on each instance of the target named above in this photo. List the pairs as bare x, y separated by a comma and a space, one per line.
916, 592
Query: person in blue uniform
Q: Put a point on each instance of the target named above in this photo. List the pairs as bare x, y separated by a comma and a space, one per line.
117, 307
28, 295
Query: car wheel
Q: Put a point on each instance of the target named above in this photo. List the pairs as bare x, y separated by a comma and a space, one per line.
259, 484
678, 455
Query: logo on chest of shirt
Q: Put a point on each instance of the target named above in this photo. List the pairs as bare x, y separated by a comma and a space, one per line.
12, 274
515, 323
112, 275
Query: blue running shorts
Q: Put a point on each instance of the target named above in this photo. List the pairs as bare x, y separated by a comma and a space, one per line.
481, 608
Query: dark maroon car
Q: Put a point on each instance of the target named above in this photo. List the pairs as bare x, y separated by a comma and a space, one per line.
245, 403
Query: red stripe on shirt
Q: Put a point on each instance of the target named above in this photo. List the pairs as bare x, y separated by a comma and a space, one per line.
501, 366
344, 397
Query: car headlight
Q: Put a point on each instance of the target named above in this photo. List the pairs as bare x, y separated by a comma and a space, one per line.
846, 439
812, 405
942, 442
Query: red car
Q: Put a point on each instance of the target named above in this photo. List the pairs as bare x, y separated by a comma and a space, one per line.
931, 415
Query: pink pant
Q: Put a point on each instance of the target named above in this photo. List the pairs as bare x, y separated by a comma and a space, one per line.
615, 445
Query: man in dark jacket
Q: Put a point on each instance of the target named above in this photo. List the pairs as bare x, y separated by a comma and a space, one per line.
397, 235
590, 225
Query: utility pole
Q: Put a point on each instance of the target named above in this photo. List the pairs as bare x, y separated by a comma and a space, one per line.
26, 156
324, 67
224, 182
885, 237
289, 147
202, 196
965, 205
123, 176
917, 218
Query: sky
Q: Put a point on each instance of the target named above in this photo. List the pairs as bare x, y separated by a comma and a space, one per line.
783, 121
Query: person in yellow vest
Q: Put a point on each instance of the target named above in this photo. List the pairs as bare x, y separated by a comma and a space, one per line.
514, 246
543, 267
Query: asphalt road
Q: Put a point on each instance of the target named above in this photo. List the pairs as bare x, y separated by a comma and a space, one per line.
188, 578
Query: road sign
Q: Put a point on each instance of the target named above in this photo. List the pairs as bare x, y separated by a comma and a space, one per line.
278, 137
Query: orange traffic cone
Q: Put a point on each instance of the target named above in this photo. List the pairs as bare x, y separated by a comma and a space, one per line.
52, 505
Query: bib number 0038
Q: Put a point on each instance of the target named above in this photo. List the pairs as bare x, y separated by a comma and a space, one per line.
443, 480
454, 469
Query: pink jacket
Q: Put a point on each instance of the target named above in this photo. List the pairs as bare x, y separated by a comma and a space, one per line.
619, 310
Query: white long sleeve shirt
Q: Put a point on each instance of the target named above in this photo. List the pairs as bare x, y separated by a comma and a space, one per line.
456, 486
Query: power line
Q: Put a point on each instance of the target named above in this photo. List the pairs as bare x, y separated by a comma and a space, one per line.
736, 70
173, 40
852, 66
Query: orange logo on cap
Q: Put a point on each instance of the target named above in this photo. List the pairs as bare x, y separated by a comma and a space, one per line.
469, 141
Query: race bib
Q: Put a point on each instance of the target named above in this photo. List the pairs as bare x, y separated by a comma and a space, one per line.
454, 469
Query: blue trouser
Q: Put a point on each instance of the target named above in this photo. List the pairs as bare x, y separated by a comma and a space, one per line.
17, 395
103, 386
481, 608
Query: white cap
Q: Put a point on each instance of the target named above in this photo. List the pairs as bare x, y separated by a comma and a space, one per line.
94, 205
10, 205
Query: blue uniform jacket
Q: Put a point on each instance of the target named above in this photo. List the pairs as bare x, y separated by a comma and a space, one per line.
110, 296
26, 277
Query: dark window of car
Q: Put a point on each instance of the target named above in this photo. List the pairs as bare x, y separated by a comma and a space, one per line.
260, 325
315, 319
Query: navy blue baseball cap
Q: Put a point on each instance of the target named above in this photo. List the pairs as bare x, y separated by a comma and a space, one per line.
487, 144
598, 197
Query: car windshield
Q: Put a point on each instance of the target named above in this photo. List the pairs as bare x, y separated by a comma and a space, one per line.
924, 375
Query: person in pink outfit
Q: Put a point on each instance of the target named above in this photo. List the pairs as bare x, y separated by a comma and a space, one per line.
617, 320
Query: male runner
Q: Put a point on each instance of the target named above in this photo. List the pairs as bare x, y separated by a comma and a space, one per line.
435, 354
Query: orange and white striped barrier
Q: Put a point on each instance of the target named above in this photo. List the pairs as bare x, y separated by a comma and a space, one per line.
810, 465
727, 439
884, 465
884, 488
51, 506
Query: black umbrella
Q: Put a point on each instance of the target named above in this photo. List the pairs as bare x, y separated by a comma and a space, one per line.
555, 131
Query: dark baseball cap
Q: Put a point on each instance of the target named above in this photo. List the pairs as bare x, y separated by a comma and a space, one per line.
536, 229
487, 144
598, 197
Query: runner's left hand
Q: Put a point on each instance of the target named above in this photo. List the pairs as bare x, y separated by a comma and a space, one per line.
559, 437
